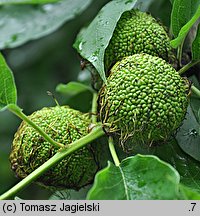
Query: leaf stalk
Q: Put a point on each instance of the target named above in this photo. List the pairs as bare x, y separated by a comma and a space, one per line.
195, 90
188, 66
112, 151
18, 112
94, 108
62, 153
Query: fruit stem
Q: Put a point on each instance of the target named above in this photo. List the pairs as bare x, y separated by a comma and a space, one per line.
54, 98
179, 53
112, 151
195, 90
188, 66
94, 108
17, 111
62, 153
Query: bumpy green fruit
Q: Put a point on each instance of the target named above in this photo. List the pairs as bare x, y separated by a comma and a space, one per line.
144, 98
138, 32
30, 150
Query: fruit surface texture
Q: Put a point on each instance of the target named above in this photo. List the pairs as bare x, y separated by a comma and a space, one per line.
30, 150
144, 98
138, 32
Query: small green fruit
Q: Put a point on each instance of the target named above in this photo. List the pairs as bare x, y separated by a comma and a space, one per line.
138, 32
30, 150
144, 98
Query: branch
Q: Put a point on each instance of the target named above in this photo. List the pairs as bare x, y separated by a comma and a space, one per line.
188, 66
112, 151
18, 112
62, 153
195, 90
94, 108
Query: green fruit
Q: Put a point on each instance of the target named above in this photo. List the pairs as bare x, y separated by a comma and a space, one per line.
138, 32
30, 150
144, 98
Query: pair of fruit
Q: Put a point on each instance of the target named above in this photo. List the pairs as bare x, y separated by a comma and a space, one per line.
144, 98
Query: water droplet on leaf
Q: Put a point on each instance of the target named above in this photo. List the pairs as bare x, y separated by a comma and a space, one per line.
47, 7
80, 46
128, 1
93, 59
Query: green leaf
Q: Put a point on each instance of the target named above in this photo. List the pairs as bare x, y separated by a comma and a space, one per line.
100, 32
5, 2
81, 101
188, 168
17, 198
21, 23
188, 194
70, 194
161, 10
77, 95
196, 46
72, 88
194, 99
137, 178
144, 5
188, 136
180, 26
199, 115
182, 12
170, 152
8, 92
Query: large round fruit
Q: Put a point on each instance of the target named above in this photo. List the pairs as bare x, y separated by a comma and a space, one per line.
144, 98
30, 150
138, 32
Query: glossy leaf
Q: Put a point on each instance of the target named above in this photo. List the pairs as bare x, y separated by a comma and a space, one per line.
196, 46
170, 152
185, 29
137, 178
100, 32
21, 23
182, 12
5, 2
188, 137
188, 168
8, 93
72, 88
